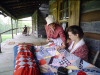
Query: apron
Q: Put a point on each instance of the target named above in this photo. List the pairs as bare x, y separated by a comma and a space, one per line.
58, 41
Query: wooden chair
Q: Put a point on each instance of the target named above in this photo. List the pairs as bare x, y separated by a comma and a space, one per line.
95, 58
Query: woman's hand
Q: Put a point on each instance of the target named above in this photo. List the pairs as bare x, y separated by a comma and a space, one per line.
63, 45
57, 47
48, 39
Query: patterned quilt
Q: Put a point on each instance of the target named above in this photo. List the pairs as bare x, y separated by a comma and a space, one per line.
49, 61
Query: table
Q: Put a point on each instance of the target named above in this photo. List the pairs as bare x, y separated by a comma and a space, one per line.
55, 59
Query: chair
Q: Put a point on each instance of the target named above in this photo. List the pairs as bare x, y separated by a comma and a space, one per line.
95, 58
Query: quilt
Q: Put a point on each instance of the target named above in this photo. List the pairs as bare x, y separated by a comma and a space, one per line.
49, 60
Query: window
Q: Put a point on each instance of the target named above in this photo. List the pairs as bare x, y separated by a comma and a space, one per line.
64, 10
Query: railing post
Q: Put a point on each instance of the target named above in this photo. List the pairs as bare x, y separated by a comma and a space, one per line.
0, 42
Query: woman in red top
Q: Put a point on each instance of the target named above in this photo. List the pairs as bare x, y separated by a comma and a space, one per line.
76, 44
55, 33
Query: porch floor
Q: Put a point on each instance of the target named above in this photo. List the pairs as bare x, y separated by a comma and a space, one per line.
7, 55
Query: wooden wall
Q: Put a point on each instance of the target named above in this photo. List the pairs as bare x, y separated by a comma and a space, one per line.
35, 23
74, 12
90, 12
84, 13
39, 22
53, 10
90, 23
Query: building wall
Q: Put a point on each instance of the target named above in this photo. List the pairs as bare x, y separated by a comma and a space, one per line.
35, 23
90, 23
84, 13
73, 12
39, 22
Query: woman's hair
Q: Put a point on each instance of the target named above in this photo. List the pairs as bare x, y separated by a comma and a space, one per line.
76, 30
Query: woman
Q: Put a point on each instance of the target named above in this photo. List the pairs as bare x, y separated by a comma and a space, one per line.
55, 33
76, 44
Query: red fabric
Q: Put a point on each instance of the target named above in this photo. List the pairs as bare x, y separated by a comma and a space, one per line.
58, 32
25, 63
42, 62
81, 52
81, 73
52, 44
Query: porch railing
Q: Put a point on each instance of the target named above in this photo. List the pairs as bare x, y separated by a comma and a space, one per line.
6, 32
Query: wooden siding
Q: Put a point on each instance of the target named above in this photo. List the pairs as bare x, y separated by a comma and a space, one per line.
35, 23
41, 23
90, 23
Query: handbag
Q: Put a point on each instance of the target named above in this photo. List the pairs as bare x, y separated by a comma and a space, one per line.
62, 71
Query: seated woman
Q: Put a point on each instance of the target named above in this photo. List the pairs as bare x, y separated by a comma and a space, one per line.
24, 30
76, 44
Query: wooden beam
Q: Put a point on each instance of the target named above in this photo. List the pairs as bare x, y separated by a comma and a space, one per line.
24, 20
23, 9
1, 8
92, 35
20, 2
23, 16
23, 3
90, 16
23, 6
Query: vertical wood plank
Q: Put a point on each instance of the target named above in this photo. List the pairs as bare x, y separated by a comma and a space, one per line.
74, 12
58, 5
53, 10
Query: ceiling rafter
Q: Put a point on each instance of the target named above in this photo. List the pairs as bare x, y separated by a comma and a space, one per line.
23, 11
28, 9
18, 1
21, 8
23, 3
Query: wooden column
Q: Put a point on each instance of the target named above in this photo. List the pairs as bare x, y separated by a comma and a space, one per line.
32, 25
12, 27
16, 26
74, 12
0, 42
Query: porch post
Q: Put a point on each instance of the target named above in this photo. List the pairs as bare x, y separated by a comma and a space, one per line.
0, 42
16, 26
12, 27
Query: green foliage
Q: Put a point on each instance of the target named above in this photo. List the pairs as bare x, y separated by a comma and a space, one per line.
6, 36
5, 24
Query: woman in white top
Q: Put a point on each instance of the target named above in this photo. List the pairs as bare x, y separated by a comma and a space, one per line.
76, 44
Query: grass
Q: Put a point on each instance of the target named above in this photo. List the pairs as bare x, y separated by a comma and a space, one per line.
6, 36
